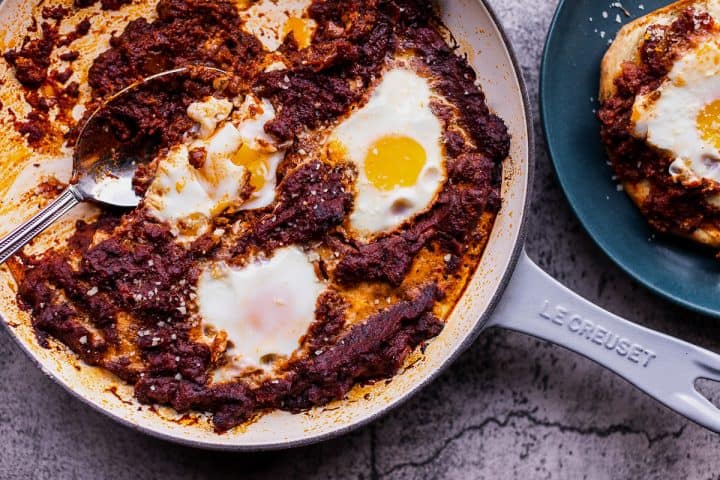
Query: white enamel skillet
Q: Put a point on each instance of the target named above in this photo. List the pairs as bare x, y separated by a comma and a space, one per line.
508, 291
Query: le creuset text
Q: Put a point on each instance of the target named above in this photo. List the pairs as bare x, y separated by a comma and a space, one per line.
597, 334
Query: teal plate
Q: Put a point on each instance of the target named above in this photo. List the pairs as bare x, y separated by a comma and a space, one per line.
680, 271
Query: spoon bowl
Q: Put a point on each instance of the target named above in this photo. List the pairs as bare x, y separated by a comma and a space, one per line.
105, 164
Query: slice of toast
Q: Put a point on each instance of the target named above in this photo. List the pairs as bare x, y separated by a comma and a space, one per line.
626, 48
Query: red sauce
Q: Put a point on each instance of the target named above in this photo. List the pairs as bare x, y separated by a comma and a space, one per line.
138, 271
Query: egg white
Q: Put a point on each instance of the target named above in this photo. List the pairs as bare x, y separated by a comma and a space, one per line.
251, 118
667, 117
209, 113
264, 308
400, 106
188, 198
266, 20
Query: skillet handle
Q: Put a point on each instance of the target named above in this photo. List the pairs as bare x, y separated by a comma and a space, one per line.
661, 366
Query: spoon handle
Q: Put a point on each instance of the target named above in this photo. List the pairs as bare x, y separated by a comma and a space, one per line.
22, 235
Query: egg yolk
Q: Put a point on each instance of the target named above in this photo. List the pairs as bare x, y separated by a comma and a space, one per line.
708, 123
394, 161
301, 30
336, 151
257, 163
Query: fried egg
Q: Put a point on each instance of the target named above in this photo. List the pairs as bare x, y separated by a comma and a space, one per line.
682, 117
395, 142
264, 308
188, 198
270, 23
238, 151
259, 152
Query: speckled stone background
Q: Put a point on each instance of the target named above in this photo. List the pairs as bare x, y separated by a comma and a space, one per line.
511, 407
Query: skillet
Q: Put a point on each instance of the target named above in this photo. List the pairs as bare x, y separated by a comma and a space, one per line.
507, 291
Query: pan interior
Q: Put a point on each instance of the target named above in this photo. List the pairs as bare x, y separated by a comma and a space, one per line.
479, 37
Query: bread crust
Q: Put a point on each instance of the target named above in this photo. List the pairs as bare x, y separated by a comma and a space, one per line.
625, 48
628, 40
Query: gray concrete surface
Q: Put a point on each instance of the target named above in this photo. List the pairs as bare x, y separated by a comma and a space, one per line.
511, 407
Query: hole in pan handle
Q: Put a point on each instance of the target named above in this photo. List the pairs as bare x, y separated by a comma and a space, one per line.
664, 367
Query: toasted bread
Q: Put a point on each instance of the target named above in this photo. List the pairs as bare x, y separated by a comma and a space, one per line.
626, 48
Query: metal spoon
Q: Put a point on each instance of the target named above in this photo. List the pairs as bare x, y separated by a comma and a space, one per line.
103, 169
